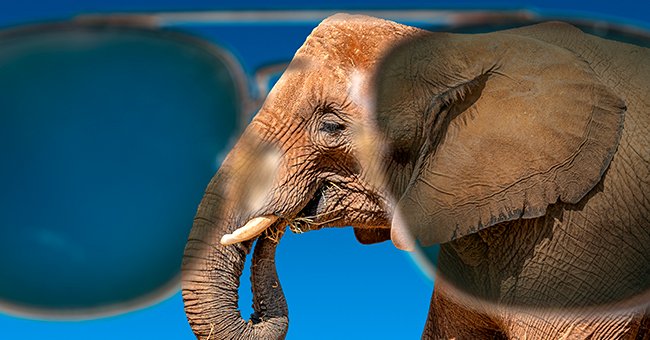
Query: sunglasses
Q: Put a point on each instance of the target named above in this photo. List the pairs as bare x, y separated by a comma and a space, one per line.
111, 126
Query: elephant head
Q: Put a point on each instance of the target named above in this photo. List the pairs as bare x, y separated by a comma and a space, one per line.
371, 118
296, 163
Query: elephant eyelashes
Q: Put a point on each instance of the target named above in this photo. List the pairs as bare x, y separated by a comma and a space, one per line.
330, 131
331, 127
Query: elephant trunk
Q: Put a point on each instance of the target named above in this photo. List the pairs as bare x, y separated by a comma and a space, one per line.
211, 271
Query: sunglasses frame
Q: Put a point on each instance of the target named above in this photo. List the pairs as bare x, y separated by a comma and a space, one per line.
169, 25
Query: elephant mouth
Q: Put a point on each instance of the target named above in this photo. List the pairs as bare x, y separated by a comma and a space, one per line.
326, 208
316, 208
329, 207
310, 217
314, 205
315, 214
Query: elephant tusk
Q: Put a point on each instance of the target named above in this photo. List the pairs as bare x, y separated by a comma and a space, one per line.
253, 228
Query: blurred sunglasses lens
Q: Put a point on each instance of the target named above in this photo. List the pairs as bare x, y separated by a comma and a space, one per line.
108, 137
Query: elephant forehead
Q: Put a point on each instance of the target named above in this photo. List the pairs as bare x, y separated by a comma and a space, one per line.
354, 41
317, 82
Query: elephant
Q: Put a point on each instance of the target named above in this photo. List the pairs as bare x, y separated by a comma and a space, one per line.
523, 153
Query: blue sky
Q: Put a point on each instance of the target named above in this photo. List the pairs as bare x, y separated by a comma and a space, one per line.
335, 287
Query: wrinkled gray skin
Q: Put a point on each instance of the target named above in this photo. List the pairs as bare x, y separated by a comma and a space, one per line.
523, 152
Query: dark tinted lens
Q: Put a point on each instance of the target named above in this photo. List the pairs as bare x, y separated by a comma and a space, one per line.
468, 282
107, 139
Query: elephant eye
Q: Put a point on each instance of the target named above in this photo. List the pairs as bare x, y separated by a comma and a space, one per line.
331, 127
330, 131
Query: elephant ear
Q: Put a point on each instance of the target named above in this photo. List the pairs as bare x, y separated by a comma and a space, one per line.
520, 125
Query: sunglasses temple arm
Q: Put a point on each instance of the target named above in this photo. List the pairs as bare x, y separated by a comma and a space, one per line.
262, 86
